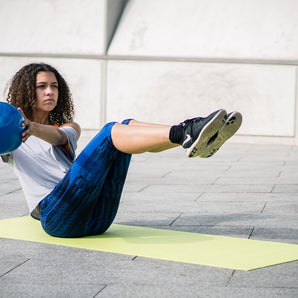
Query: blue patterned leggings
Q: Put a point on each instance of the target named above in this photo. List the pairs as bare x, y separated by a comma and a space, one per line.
86, 200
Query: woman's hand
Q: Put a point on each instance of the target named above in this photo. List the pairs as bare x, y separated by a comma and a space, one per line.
27, 123
5, 158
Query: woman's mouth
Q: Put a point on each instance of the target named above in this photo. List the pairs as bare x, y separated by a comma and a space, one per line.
50, 100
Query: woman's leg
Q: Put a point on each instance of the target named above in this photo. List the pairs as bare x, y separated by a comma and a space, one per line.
107, 202
199, 136
158, 148
136, 138
67, 211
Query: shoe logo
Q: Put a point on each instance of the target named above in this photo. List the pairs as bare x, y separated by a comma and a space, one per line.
188, 138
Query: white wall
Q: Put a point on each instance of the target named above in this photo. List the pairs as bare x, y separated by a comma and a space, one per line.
52, 27
170, 91
195, 56
168, 59
70, 35
254, 29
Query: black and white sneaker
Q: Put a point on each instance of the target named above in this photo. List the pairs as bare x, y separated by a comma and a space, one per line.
231, 125
199, 131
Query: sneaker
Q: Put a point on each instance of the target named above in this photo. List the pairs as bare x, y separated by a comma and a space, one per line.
199, 131
232, 123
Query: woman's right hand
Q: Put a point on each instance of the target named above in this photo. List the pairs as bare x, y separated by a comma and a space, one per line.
5, 158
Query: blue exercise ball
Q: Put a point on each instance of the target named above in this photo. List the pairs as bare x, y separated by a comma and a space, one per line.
11, 129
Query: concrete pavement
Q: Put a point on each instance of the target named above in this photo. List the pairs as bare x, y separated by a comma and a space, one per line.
245, 190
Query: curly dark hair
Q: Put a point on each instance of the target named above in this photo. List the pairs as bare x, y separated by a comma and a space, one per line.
22, 93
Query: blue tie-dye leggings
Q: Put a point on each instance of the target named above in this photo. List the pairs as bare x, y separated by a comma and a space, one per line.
86, 200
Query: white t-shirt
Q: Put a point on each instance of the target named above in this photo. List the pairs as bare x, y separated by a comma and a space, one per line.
40, 166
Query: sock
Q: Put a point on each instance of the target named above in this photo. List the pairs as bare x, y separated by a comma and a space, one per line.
176, 134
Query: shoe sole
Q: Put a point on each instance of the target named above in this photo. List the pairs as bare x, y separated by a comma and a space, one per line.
229, 128
208, 131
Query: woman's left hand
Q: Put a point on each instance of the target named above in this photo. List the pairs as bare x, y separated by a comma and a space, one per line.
28, 124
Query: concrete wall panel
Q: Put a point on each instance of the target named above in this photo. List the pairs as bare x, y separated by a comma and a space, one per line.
52, 26
167, 92
234, 29
83, 77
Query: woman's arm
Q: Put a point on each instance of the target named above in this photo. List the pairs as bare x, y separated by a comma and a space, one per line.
48, 133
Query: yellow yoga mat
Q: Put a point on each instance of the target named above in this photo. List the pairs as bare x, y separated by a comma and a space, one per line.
201, 249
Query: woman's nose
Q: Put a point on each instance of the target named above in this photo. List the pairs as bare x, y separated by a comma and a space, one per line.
49, 90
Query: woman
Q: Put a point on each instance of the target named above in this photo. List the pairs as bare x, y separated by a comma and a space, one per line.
78, 197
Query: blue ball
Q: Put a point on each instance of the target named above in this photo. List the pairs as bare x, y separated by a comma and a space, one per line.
11, 130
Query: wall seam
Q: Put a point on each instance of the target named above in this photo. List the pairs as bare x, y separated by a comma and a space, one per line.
103, 101
296, 107
156, 58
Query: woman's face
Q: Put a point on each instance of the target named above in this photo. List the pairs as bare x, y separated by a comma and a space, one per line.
46, 92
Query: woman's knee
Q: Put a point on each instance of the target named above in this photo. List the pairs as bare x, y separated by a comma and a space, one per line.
126, 121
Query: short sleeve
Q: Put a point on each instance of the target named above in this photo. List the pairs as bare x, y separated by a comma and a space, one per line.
72, 139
